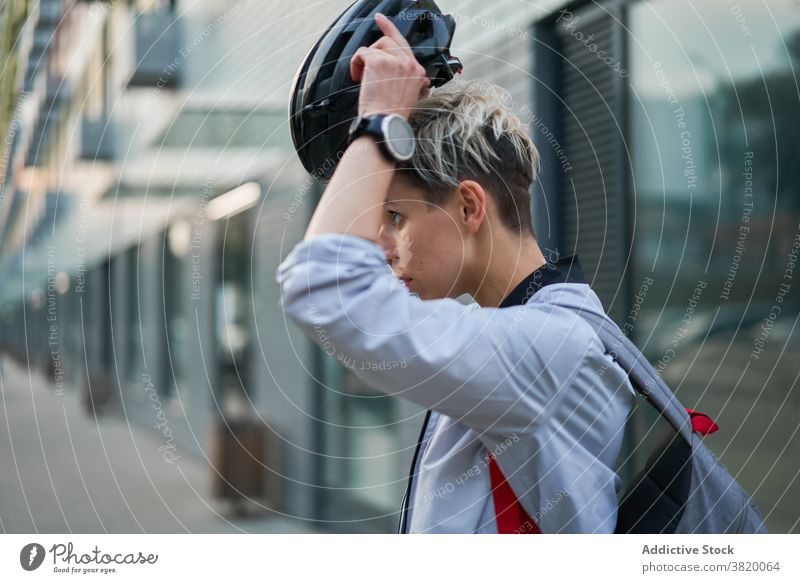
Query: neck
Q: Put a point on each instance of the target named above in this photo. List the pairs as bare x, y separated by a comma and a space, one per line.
510, 260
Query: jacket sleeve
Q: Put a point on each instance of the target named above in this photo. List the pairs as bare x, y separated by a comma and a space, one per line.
490, 368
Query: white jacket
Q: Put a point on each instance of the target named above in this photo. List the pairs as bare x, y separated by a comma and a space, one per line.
531, 382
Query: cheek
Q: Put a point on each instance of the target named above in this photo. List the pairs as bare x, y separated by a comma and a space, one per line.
434, 248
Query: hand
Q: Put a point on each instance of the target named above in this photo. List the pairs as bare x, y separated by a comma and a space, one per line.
392, 80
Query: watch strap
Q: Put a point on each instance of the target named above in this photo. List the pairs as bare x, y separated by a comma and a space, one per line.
369, 124
372, 124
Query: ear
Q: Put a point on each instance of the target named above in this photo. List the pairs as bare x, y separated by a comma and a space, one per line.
471, 204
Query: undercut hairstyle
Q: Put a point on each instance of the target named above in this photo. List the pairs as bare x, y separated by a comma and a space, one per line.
466, 130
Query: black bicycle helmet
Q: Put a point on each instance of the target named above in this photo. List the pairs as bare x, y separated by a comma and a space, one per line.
324, 98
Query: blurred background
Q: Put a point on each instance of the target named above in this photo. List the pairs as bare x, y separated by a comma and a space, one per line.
149, 189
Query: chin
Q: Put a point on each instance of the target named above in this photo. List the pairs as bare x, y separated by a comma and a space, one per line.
420, 294
430, 296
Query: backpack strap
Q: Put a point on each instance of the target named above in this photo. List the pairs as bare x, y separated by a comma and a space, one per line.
509, 514
644, 378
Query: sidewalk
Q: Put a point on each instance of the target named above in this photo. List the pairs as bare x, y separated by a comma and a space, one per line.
62, 471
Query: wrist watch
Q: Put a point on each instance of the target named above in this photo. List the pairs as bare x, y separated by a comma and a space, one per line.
393, 133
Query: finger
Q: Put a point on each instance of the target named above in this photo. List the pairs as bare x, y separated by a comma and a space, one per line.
357, 62
356, 67
390, 30
389, 44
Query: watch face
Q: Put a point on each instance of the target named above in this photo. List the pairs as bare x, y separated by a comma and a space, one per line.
400, 136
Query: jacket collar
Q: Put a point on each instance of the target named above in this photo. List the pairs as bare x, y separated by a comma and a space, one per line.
566, 270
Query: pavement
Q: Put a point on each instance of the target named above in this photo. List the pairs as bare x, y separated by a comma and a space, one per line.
63, 471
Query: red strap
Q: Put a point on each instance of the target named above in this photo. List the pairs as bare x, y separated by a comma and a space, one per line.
510, 516
701, 422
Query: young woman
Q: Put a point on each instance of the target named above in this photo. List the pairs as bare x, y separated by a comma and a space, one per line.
525, 409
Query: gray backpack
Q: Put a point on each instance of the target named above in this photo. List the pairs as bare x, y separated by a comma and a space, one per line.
683, 487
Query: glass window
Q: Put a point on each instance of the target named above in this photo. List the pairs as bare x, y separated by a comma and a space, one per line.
226, 128
365, 464
233, 310
135, 341
175, 296
714, 133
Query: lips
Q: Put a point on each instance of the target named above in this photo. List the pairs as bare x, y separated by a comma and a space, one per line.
406, 281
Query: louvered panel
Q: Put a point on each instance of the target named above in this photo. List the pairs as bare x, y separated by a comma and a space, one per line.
592, 153
592, 195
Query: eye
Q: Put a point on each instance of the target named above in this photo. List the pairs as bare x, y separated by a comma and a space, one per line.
394, 217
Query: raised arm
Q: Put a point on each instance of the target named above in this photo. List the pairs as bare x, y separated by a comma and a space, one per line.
391, 82
490, 368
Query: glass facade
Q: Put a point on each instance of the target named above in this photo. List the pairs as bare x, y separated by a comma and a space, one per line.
364, 467
133, 325
714, 130
175, 307
233, 309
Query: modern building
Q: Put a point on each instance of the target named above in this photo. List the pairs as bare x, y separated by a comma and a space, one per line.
150, 189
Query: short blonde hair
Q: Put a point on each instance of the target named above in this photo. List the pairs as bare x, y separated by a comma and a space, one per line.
467, 130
